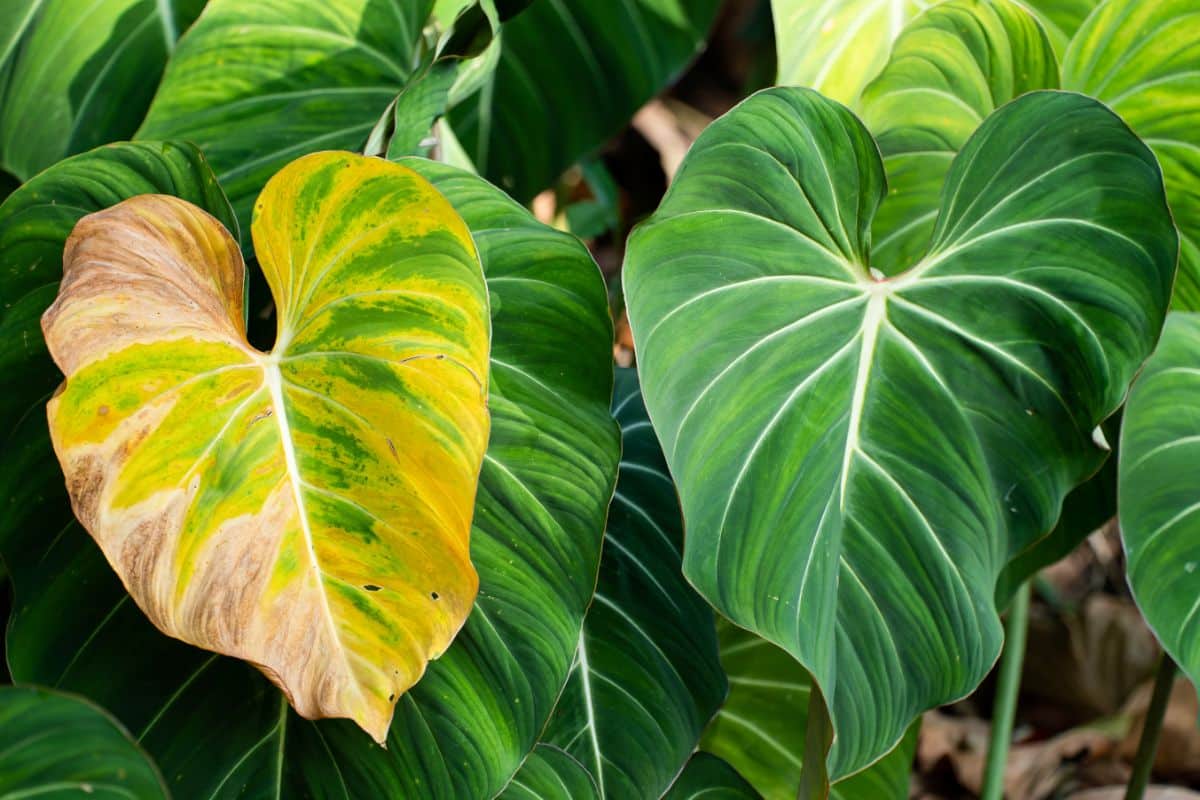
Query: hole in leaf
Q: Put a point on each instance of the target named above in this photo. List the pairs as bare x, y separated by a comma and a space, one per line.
370, 587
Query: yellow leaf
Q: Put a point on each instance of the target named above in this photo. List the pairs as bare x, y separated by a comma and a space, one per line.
306, 509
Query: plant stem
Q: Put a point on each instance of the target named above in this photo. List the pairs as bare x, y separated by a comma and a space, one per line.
1005, 707
1143, 762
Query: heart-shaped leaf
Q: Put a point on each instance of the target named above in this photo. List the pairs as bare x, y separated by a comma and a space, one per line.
951, 68
570, 75
1143, 60
62, 63
646, 677
467, 726
307, 510
858, 457
257, 84
56, 745
1160, 494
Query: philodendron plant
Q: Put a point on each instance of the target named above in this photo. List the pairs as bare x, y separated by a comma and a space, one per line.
423, 540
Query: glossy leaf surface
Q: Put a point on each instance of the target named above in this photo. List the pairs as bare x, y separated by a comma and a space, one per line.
708, 777
760, 729
467, 726
570, 76
950, 69
646, 677
1159, 493
57, 746
62, 63
858, 458
307, 510
550, 774
256, 85
1143, 61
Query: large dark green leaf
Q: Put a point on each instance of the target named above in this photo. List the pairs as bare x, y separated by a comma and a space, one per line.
1143, 60
570, 75
74, 75
550, 774
950, 69
1160, 494
708, 777
256, 85
859, 457
646, 677
56, 747
761, 727
219, 730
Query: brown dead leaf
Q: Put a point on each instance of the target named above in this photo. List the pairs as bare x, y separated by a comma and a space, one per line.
1178, 756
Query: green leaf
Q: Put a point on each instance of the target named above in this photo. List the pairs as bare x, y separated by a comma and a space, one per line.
1060, 18
646, 677
760, 728
59, 746
950, 69
74, 76
708, 777
858, 458
256, 85
570, 76
836, 48
550, 774
1142, 59
465, 728
1159, 497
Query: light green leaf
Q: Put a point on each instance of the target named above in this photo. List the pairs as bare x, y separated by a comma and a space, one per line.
1159, 498
858, 458
760, 729
256, 85
56, 746
550, 774
1060, 18
646, 677
950, 69
74, 75
463, 730
837, 46
708, 777
570, 76
1142, 59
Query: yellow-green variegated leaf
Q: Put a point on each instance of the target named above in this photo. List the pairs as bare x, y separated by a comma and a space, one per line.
308, 509
950, 68
1142, 59
1059, 18
858, 456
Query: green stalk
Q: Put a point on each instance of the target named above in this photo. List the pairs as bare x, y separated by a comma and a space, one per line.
1143, 762
1005, 707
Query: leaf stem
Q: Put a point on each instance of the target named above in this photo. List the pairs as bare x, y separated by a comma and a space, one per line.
1143, 762
1005, 707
